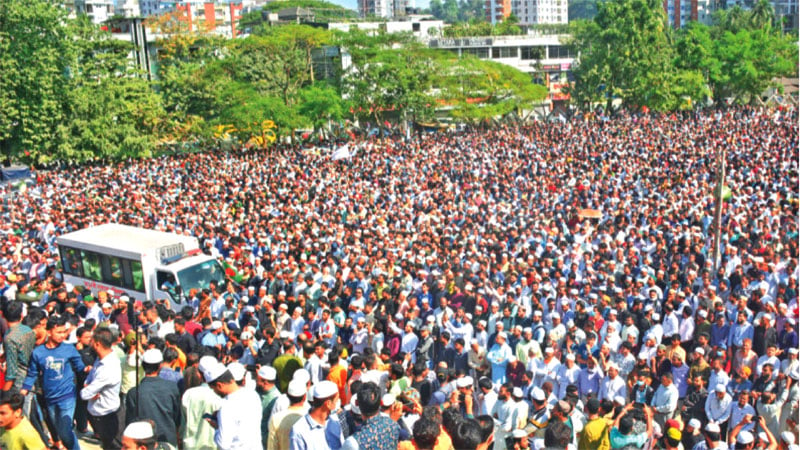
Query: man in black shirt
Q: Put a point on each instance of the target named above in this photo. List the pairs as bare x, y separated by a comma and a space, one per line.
155, 399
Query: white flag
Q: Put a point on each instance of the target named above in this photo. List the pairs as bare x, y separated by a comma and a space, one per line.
341, 152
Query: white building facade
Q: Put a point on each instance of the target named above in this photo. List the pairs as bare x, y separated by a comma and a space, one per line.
541, 12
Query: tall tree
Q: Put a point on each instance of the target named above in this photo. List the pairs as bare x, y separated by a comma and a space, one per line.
34, 69
625, 54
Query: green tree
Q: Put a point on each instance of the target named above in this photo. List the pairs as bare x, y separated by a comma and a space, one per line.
625, 53
111, 111
469, 10
762, 15
34, 69
393, 81
478, 91
508, 27
749, 62
321, 104
582, 9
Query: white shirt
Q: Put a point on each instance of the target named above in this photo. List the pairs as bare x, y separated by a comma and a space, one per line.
194, 403
104, 380
776, 364
717, 378
686, 330
665, 399
409, 345
488, 402
611, 388
239, 421
567, 376
359, 340
503, 410
718, 410
314, 367
670, 324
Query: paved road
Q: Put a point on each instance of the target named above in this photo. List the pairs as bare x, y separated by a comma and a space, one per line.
89, 444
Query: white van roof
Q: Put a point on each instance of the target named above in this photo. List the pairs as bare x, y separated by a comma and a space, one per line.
125, 239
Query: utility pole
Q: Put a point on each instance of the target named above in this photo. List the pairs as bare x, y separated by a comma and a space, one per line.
718, 211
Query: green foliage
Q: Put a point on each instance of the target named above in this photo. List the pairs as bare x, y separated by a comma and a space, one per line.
582, 9
507, 27
478, 91
390, 81
323, 11
33, 77
454, 11
628, 53
67, 90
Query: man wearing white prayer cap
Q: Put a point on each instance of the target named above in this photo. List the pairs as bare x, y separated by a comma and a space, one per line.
268, 392
155, 399
316, 430
238, 421
281, 422
139, 436
195, 403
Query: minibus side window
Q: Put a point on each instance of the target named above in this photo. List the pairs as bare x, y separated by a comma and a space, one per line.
71, 261
137, 277
91, 266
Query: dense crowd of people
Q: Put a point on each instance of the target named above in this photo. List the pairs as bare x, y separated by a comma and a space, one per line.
443, 291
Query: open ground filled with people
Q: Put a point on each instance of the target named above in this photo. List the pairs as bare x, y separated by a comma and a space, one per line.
552, 285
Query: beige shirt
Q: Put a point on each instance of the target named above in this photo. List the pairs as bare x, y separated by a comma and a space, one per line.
280, 425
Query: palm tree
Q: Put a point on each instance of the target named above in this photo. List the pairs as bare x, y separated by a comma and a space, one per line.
762, 15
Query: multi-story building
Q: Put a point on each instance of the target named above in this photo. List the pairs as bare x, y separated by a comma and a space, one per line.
681, 12
787, 12
420, 29
97, 10
376, 8
544, 57
497, 10
401, 7
539, 12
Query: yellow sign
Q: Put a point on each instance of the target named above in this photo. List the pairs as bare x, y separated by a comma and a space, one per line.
261, 134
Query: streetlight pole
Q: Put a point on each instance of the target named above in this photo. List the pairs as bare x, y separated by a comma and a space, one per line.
718, 207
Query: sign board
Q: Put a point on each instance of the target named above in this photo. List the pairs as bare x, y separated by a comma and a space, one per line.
170, 251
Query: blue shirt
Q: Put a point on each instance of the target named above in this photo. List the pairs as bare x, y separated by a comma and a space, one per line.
738, 333
680, 377
57, 367
719, 335
589, 382
307, 434
212, 340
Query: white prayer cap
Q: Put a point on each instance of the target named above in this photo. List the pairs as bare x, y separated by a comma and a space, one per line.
268, 373
296, 388
325, 389
237, 370
153, 356
213, 372
302, 376
388, 400
744, 438
139, 431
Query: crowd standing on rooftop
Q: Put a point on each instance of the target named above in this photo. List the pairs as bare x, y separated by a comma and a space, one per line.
436, 292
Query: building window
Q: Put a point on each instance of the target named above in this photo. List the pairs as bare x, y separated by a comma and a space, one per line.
480, 52
504, 52
529, 53
559, 51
